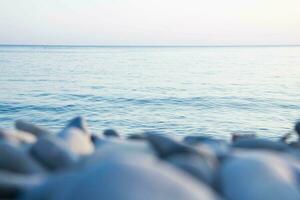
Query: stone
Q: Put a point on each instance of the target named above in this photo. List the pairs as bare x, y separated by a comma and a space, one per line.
242, 135
30, 128
78, 142
110, 133
121, 149
197, 166
195, 139
77, 137
260, 144
124, 179
136, 137
258, 176
166, 147
13, 185
297, 128
79, 123
17, 137
53, 154
15, 160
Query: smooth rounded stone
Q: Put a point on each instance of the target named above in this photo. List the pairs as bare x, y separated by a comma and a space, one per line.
78, 142
31, 128
297, 128
219, 147
79, 123
13, 185
116, 179
242, 135
53, 153
118, 149
136, 137
16, 160
258, 176
260, 144
165, 146
110, 133
195, 139
200, 168
17, 137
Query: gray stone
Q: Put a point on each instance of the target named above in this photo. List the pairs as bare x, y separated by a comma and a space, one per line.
260, 144
30, 128
297, 128
242, 135
110, 133
77, 137
17, 137
79, 123
195, 139
13, 185
197, 166
53, 153
258, 176
134, 179
78, 142
121, 149
16, 160
136, 137
166, 147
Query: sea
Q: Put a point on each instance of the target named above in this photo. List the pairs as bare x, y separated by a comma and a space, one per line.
204, 90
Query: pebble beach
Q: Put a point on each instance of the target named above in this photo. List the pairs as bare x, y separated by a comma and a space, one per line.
77, 163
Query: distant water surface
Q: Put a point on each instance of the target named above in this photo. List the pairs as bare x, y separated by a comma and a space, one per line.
176, 90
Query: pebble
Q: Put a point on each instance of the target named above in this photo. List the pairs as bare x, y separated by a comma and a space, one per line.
13, 185
17, 137
31, 128
116, 179
15, 160
166, 147
259, 143
77, 137
110, 133
75, 164
258, 176
53, 153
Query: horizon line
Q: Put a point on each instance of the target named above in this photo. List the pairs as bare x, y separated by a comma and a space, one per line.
80, 45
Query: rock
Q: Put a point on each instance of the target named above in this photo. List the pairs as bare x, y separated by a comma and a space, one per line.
297, 128
13, 185
260, 144
110, 133
95, 138
79, 123
136, 137
200, 168
242, 135
53, 153
258, 176
30, 128
193, 140
121, 149
78, 142
15, 160
116, 179
17, 137
77, 137
166, 147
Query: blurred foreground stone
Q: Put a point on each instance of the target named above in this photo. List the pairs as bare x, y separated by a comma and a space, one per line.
36, 164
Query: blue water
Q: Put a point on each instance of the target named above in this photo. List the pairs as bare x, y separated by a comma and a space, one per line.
175, 90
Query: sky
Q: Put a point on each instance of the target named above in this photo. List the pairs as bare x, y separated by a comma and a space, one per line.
150, 22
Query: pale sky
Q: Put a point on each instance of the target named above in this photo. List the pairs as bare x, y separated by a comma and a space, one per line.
150, 22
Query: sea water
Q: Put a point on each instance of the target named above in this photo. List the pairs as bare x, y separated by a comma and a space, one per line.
173, 90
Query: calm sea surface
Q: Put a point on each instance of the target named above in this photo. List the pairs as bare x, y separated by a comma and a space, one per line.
175, 90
